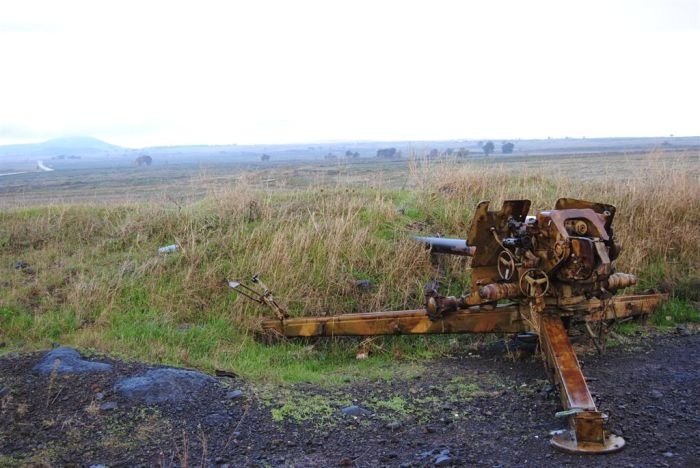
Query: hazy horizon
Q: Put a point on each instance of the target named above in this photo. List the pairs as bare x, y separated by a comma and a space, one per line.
160, 73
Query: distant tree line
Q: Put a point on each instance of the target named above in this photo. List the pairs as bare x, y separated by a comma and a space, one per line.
489, 147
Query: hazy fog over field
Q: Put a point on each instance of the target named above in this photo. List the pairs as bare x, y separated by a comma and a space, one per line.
166, 73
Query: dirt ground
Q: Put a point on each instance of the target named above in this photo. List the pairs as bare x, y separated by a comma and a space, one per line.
466, 410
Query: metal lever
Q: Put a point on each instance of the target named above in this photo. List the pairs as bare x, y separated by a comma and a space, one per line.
263, 296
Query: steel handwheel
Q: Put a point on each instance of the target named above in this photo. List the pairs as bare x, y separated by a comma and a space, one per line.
534, 283
506, 265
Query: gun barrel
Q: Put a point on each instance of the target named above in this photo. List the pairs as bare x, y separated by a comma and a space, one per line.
447, 245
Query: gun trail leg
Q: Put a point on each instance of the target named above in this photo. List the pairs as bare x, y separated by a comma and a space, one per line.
587, 433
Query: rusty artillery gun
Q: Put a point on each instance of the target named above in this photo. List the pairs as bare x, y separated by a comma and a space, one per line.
534, 275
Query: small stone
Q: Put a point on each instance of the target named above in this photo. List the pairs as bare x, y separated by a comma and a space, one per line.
443, 460
217, 419
234, 394
683, 331
99, 396
657, 395
364, 285
394, 425
668, 454
355, 411
108, 406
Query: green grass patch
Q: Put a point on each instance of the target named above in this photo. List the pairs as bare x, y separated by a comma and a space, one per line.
675, 311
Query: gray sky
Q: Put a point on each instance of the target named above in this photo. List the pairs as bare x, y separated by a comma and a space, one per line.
141, 73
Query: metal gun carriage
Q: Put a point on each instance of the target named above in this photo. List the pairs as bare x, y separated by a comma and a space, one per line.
529, 274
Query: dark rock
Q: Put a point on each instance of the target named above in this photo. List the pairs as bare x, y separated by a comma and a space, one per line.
355, 411
234, 394
657, 395
394, 425
683, 331
110, 405
21, 265
68, 361
364, 285
99, 396
161, 385
4, 391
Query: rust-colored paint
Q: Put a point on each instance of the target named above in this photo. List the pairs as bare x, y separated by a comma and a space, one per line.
563, 362
503, 319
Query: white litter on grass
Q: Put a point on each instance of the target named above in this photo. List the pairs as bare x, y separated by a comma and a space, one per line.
168, 248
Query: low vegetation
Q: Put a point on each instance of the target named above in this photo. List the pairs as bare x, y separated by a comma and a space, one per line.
91, 275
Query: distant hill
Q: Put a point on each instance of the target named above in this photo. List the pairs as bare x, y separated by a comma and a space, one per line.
78, 146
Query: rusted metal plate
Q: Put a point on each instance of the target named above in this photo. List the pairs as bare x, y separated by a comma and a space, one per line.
623, 306
587, 432
563, 362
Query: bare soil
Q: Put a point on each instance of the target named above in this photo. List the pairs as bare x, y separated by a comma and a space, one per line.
485, 409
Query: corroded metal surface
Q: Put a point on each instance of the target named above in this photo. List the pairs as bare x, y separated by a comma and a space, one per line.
587, 432
557, 267
501, 319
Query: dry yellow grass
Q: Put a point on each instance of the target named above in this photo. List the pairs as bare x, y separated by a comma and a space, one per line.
90, 274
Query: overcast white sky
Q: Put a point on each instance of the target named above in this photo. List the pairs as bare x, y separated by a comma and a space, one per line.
140, 73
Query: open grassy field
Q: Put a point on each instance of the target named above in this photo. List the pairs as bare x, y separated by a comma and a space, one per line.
79, 260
